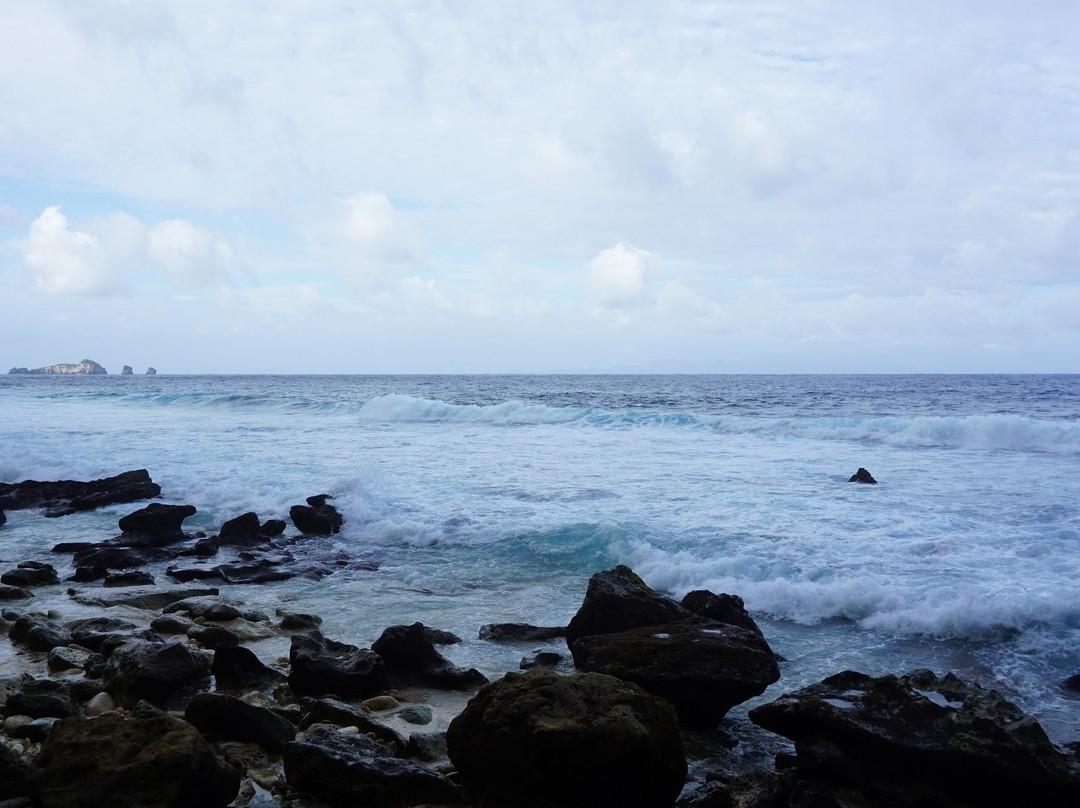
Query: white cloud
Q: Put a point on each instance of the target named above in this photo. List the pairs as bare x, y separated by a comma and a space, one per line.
66, 261
373, 226
190, 254
615, 278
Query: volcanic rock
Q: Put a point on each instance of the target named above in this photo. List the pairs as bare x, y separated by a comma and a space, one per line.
155, 525
64, 497
412, 660
319, 666
38, 633
30, 573
617, 600
520, 632
229, 718
332, 711
723, 608
240, 669
162, 674
862, 476
541, 739
317, 518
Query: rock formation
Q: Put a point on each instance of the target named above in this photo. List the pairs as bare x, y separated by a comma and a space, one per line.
87, 366
151, 371
126, 370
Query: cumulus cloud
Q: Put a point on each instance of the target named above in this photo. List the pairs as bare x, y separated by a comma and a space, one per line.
615, 278
66, 261
190, 254
374, 227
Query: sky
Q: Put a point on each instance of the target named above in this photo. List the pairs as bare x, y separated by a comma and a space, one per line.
816, 186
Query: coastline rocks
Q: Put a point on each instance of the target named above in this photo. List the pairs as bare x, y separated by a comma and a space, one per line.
86, 366
317, 518
862, 476
30, 573
239, 669
160, 673
38, 633
541, 739
14, 592
65, 497
332, 711
319, 666
920, 739
116, 760
126, 370
702, 667
155, 525
246, 531
724, 608
411, 659
349, 770
617, 600
230, 718
520, 632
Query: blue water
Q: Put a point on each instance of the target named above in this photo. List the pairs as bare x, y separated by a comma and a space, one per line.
493, 498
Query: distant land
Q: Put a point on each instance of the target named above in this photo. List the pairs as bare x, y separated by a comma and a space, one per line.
87, 367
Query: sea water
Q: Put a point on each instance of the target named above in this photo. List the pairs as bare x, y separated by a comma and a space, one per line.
493, 499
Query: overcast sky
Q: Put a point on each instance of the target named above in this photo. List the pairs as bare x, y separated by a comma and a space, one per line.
798, 186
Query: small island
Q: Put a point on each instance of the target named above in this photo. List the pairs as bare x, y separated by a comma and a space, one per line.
87, 366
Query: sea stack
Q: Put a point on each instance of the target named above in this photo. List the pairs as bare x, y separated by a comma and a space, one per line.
862, 476
151, 371
126, 370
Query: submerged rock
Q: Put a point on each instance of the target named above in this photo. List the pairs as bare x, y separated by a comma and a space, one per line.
541, 739
862, 476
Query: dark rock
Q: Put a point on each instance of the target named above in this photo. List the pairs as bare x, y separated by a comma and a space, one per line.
14, 592
162, 674
412, 660
30, 574
128, 579
345, 770
184, 575
229, 718
940, 740
38, 633
3, 517
541, 739
332, 711
13, 774
617, 600
114, 641
93, 631
862, 476
1071, 684
317, 518
243, 531
300, 622
520, 632
40, 698
156, 525
148, 599
95, 666
240, 670
116, 760
701, 666
319, 666
437, 636
171, 624
213, 607
213, 637
67, 657
119, 558
69, 496
257, 572
723, 608
37, 730
85, 575
427, 746
272, 527
540, 659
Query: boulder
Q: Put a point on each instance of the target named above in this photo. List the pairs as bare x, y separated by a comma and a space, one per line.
723, 608
150, 599
130, 578
126, 370
412, 660
229, 718
350, 770
164, 674
41, 698
92, 632
317, 518
332, 711
239, 669
38, 633
156, 525
213, 607
938, 739
8, 592
520, 632
540, 659
13, 774
243, 531
113, 759
30, 573
702, 667
213, 637
64, 497
862, 476
320, 666
539, 739
617, 600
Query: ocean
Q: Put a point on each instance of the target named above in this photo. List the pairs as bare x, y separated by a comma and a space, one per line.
488, 499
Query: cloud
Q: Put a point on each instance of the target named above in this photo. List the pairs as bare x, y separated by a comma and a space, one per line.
191, 255
615, 278
373, 226
66, 261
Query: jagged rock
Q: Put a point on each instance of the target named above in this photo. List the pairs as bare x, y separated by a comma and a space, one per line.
724, 608
332, 711
319, 666
702, 667
213, 607
862, 476
541, 739
239, 669
942, 741
64, 497
349, 770
411, 659
30, 573
317, 518
617, 600
38, 633
162, 674
156, 525
229, 718
520, 632
116, 760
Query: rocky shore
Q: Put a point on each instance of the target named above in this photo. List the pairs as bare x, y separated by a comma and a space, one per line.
165, 694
